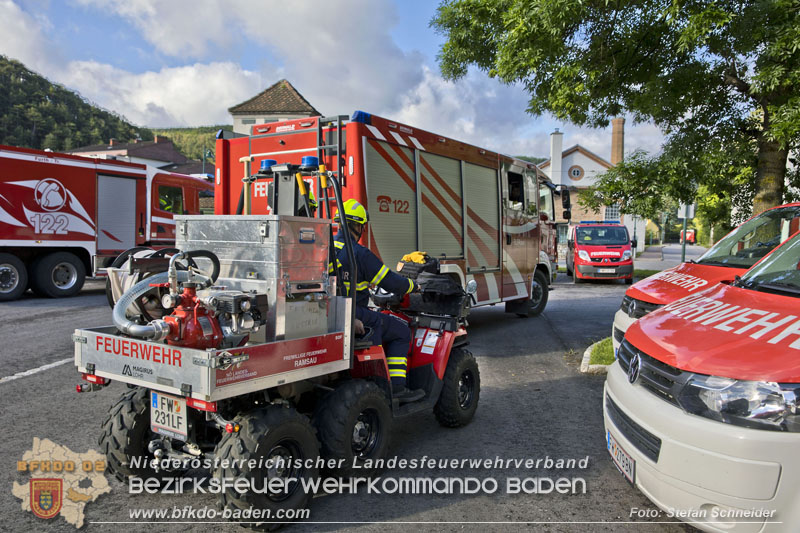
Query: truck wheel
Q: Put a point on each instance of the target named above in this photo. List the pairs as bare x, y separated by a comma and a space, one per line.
353, 423
540, 292
460, 391
268, 446
126, 434
58, 275
13, 277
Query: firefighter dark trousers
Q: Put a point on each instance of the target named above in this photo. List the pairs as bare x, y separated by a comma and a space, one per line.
395, 337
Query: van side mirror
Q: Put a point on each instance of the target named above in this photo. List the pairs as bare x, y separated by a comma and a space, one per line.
567, 214
633, 243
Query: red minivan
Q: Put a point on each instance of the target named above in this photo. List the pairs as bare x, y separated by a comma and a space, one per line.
599, 250
730, 257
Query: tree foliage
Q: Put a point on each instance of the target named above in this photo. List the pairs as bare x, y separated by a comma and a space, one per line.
718, 77
194, 142
36, 113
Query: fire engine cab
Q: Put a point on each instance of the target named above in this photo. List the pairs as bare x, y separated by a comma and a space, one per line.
701, 406
63, 216
599, 250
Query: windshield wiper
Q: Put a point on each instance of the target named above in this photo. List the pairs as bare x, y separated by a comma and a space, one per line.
780, 288
715, 263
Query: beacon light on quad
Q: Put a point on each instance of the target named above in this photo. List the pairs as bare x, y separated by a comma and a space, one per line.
238, 344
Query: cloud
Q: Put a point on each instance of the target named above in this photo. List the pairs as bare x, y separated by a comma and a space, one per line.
191, 95
23, 38
339, 55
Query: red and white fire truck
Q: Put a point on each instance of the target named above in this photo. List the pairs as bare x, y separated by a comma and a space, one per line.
490, 217
62, 216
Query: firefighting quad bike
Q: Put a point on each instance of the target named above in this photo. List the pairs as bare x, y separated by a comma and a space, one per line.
251, 364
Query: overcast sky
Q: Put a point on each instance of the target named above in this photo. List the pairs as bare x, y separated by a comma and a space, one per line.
164, 63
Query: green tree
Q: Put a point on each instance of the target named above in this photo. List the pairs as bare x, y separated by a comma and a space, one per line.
36, 113
705, 72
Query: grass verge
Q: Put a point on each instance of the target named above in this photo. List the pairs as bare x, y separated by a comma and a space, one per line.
602, 353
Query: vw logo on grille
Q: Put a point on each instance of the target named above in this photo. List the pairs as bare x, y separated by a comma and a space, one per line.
634, 368
632, 308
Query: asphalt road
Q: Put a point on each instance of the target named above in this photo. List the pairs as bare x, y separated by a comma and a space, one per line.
534, 404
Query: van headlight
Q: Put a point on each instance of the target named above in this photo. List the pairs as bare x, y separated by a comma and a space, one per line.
752, 404
626, 255
583, 254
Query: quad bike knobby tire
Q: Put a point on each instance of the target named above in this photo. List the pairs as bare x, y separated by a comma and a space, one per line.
460, 390
267, 435
126, 434
353, 423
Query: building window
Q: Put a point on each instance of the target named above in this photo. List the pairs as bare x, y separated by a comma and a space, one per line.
563, 229
248, 121
575, 172
612, 212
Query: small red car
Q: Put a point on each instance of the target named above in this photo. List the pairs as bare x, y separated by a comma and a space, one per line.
599, 250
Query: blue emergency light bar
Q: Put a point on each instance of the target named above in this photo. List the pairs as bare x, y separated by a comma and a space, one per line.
361, 116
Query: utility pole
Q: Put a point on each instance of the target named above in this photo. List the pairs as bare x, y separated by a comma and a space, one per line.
683, 239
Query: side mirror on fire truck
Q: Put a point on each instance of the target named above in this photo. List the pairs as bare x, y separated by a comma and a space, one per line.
566, 203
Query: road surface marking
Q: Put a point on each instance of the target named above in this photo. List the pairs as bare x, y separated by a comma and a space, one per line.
35, 370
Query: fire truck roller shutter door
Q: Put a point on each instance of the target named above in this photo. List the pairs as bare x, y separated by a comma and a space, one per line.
483, 217
441, 224
116, 213
391, 193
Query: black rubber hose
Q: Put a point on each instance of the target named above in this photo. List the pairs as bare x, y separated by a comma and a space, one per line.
211, 257
240, 205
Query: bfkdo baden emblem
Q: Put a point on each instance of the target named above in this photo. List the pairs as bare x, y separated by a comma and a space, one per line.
46, 497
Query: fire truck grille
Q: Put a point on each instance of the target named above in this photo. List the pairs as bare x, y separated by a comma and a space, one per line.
637, 308
643, 440
661, 379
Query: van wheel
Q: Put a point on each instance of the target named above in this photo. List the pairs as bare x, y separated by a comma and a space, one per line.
58, 275
629, 280
13, 277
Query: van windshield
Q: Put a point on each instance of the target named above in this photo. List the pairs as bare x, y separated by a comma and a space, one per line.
601, 235
747, 244
779, 272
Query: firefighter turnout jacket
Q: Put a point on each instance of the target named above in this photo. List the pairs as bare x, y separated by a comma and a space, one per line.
369, 271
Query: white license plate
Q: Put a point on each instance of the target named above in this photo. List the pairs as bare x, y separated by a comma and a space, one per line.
168, 415
605, 270
624, 462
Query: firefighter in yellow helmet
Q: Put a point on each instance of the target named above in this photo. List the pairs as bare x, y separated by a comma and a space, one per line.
393, 333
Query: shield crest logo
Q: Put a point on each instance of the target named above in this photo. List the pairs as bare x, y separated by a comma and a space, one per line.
46, 497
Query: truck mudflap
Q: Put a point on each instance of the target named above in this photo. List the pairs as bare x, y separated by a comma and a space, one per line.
208, 375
